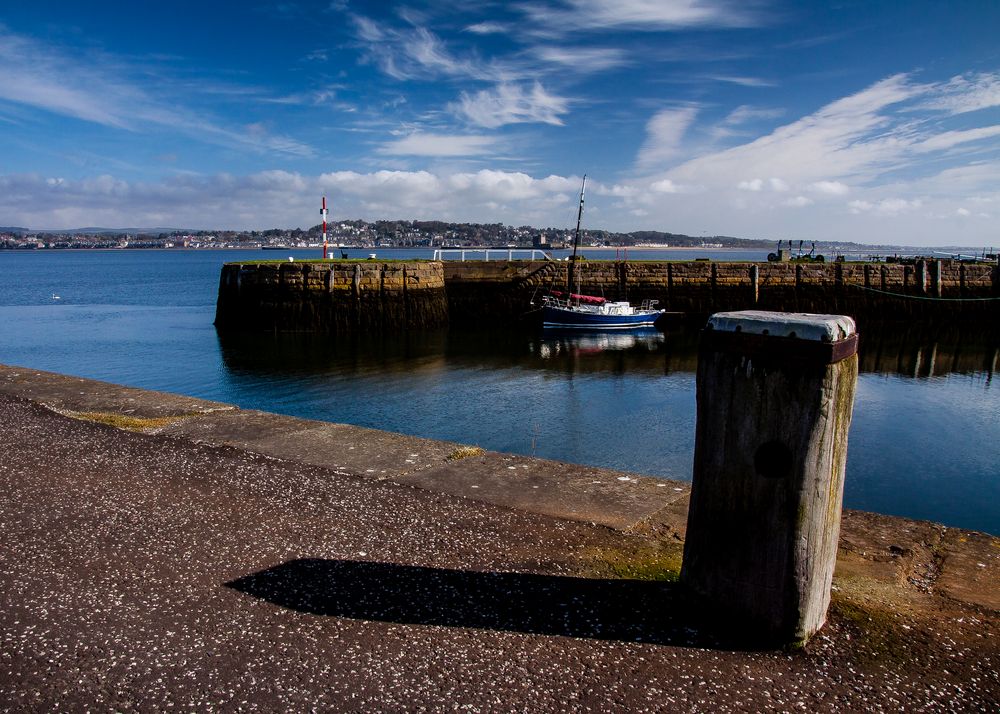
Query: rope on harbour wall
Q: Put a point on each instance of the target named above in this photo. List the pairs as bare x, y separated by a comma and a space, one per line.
924, 297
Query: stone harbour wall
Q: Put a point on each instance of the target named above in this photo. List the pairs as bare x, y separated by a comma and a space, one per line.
342, 296
339, 296
868, 291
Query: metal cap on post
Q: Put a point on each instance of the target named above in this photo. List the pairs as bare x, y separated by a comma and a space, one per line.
775, 398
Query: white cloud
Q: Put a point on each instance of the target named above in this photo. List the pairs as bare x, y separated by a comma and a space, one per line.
582, 59
99, 90
757, 184
871, 146
36, 75
642, 15
487, 28
422, 144
512, 104
742, 81
948, 139
963, 212
284, 199
664, 134
664, 186
841, 139
485, 195
744, 114
368, 30
963, 94
417, 53
886, 207
427, 50
832, 188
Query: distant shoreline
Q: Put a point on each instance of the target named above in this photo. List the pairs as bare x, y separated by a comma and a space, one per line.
664, 247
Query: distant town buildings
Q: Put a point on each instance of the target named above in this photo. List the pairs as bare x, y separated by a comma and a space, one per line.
364, 234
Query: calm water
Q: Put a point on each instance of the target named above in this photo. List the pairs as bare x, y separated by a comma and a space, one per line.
923, 442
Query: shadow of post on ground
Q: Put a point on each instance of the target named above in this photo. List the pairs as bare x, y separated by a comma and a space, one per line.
626, 610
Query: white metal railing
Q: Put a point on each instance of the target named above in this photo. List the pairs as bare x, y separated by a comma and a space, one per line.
452, 253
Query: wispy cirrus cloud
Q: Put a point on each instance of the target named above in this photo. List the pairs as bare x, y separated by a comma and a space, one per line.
744, 114
665, 133
963, 94
421, 143
583, 59
414, 52
487, 28
108, 92
844, 139
949, 139
33, 74
512, 104
741, 80
885, 155
851, 141
566, 16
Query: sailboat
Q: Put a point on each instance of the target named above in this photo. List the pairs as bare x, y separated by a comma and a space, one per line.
576, 311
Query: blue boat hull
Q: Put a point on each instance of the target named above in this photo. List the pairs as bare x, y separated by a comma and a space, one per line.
554, 317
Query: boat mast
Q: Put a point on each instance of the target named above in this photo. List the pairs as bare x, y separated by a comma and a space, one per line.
576, 239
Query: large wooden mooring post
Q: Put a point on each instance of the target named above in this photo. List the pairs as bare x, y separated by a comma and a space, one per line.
775, 397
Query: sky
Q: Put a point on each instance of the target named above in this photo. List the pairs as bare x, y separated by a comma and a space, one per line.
872, 121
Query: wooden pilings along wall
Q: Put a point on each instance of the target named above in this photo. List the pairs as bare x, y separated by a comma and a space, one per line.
331, 297
868, 291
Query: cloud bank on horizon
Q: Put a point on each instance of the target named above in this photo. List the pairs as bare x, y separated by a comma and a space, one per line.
764, 119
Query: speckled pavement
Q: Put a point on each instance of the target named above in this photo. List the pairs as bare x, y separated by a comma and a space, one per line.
143, 572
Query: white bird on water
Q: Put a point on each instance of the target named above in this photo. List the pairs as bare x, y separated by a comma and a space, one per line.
56, 297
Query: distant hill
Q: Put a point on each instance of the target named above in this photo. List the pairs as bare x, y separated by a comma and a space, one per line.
405, 233
112, 231
87, 231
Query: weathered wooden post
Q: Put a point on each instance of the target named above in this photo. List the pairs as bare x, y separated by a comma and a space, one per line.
775, 397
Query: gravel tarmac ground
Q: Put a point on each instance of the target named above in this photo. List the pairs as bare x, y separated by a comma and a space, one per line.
142, 572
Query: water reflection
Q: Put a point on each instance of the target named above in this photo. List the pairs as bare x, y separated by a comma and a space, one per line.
911, 353
921, 352
926, 417
614, 352
579, 342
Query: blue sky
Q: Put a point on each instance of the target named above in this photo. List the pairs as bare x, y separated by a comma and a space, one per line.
867, 121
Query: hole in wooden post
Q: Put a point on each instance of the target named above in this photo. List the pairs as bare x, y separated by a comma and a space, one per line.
773, 460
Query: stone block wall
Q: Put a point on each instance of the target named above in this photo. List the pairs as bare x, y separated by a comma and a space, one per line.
339, 296
331, 297
873, 292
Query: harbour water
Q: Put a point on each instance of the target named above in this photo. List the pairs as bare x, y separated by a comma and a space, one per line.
922, 444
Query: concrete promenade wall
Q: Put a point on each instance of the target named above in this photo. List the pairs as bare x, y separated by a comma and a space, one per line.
340, 296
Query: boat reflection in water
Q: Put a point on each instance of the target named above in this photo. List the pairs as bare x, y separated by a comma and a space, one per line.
555, 343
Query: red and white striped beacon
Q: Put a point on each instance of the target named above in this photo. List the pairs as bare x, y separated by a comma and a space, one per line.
323, 213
